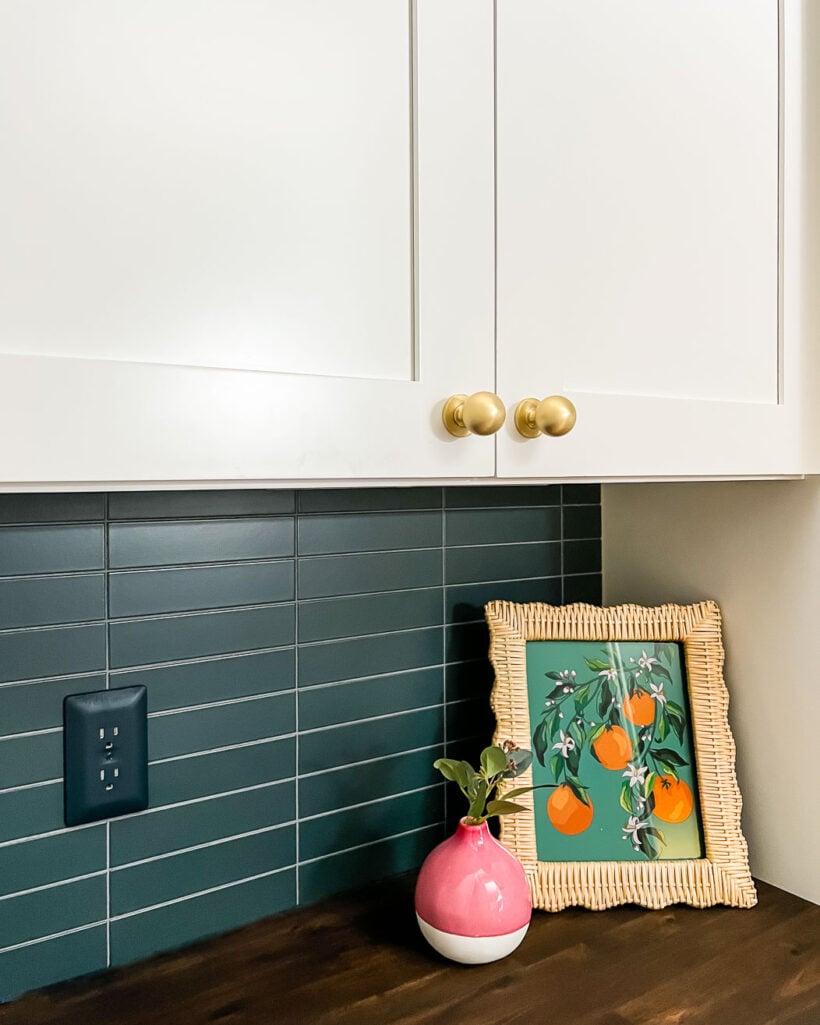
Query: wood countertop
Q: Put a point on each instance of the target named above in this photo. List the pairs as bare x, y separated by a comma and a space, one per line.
359, 960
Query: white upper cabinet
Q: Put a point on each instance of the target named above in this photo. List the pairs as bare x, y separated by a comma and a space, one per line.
639, 228
243, 240
264, 240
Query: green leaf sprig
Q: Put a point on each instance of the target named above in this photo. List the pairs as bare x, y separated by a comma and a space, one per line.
478, 786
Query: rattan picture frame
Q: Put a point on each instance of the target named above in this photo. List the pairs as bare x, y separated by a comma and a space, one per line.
722, 875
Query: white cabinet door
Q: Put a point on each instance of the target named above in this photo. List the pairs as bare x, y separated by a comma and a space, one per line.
243, 240
638, 236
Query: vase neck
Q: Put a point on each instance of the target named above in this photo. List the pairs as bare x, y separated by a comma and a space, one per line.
475, 836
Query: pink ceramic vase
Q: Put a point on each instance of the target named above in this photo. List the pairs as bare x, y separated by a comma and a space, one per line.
473, 901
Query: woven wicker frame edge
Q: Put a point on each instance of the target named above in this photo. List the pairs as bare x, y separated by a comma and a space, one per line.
723, 875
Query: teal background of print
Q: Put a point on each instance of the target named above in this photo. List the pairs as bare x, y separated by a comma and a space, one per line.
602, 841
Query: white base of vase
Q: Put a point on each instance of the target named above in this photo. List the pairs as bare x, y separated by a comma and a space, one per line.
471, 949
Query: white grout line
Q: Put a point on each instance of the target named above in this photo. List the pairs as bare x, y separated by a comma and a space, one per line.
208, 797
244, 700
201, 893
108, 894
83, 625
375, 676
51, 886
152, 617
434, 666
370, 594
219, 750
61, 831
222, 657
371, 718
53, 679
297, 835
85, 522
444, 739
367, 804
66, 574
269, 560
370, 761
31, 733
378, 633
372, 843
220, 841
52, 936
31, 786
107, 565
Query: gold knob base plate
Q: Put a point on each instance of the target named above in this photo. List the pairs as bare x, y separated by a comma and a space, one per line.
524, 418
451, 416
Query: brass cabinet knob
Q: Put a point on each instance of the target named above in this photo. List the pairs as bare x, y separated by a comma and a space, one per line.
554, 415
482, 413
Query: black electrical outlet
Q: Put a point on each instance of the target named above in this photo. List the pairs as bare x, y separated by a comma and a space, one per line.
106, 754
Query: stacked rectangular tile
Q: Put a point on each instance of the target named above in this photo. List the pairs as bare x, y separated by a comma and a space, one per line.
307, 656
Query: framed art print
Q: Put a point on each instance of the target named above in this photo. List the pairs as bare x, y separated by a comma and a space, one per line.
624, 709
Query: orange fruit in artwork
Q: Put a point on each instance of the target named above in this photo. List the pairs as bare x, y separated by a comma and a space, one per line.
673, 799
639, 708
567, 813
613, 748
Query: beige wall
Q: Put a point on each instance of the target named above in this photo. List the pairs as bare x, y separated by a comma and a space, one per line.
755, 548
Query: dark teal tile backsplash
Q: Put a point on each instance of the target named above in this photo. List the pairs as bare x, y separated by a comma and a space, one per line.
307, 655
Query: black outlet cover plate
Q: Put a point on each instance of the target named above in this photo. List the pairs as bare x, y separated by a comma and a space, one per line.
93, 790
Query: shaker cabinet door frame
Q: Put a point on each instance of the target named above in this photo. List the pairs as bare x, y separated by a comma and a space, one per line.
642, 216
243, 242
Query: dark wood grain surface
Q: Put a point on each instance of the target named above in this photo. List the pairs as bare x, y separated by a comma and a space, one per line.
359, 960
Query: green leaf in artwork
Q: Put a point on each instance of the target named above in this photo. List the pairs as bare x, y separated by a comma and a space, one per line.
540, 740
604, 699
656, 832
573, 760
578, 789
597, 664
503, 807
626, 797
493, 761
677, 718
597, 732
667, 770
578, 732
662, 726
666, 754
582, 697
553, 676
556, 766
678, 727
649, 846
